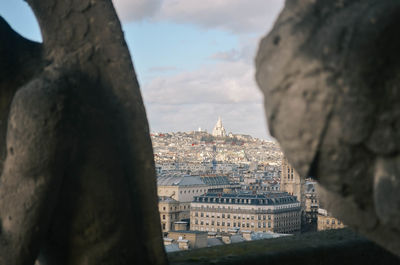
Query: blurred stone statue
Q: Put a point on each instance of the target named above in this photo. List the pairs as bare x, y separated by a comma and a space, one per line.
330, 75
77, 179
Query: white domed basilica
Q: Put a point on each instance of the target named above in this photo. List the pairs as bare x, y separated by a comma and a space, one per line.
219, 130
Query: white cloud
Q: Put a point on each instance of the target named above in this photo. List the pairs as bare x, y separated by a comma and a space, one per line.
232, 15
237, 16
222, 83
136, 10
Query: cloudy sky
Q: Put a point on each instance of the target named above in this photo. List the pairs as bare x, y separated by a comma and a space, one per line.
193, 58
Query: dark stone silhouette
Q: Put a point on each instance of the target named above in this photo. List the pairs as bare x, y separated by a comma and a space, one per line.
330, 73
78, 181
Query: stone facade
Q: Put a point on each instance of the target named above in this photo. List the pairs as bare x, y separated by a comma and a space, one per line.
311, 206
292, 183
182, 189
273, 211
170, 212
327, 221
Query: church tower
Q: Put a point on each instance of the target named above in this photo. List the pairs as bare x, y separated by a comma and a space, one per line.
292, 183
219, 130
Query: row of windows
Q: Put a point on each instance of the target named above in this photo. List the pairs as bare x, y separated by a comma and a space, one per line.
332, 222
176, 216
176, 208
248, 217
218, 223
252, 217
193, 191
244, 201
234, 224
290, 206
221, 229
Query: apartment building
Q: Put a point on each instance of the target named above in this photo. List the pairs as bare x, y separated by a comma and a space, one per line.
277, 212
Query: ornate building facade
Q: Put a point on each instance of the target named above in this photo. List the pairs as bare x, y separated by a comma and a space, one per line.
292, 183
222, 212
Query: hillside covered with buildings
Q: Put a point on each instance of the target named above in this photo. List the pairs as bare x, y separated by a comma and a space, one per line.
223, 188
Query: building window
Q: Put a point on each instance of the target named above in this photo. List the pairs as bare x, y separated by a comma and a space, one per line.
163, 217
163, 226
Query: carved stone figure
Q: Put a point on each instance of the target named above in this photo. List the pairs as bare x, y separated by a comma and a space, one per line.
330, 73
77, 175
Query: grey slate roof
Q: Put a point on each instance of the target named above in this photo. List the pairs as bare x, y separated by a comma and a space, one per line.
217, 180
176, 180
267, 198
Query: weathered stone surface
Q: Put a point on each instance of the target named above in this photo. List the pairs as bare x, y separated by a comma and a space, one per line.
78, 181
329, 71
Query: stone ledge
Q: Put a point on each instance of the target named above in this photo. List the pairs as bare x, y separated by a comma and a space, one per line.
328, 247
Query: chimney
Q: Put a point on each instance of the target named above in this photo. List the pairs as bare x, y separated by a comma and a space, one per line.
226, 238
183, 243
168, 241
246, 235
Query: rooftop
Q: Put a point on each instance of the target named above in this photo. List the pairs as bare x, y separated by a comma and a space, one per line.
216, 180
267, 198
179, 180
187, 232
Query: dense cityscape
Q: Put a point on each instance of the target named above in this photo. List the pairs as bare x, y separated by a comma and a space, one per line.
222, 188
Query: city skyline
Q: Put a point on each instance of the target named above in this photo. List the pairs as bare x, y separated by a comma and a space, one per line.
209, 130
